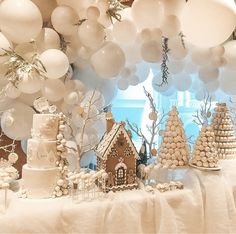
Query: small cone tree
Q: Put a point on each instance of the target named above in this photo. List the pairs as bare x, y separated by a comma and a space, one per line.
224, 132
174, 150
205, 152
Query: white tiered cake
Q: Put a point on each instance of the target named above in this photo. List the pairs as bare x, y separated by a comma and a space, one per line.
44, 174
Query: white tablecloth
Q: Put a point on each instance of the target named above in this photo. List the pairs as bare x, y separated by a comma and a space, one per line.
207, 204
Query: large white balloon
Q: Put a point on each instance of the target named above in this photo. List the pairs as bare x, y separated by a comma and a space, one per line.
228, 81
147, 14
30, 83
12, 91
16, 122
20, 20
151, 51
182, 82
173, 7
5, 44
108, 61
208, 74
55, 62
124, 32
201, 56
64, 20
48, 39
230, 54
208, 22
53, 90
157, 83
91, 34
170, 26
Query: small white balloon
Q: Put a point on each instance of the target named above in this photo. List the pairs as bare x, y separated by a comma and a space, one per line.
170, 26
16, 122
48, 39
53, 90
12, 91
71, 98
64, 20
182, 82
159, 85
123, 84
208, 74
151, 51
108, 61
30, 83
55, 62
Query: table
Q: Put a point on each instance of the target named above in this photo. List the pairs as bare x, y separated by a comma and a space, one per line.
207, 204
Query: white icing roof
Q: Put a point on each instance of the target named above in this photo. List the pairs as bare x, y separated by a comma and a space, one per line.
109, 139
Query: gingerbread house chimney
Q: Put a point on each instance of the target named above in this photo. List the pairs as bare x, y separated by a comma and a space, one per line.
110, 121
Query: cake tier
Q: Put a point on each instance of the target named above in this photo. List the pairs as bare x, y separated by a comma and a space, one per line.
45, 126
39, 183
41, 153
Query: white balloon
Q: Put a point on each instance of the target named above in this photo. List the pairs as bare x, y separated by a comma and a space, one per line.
182, 82
200, 95
143, 71
159, 86
208, 23
53, 90
71, 98
29, 99
228, 82
16, 122
91, 34
176, 66
147, 14
30, 83
48, 39
177, 49
151, 51
55, 62
123, 84
230, 54
20, 20
134, 80
12, 91
5, 44
64, 20
212, 86
170, 26
173, 7
108, 61
208, 74
217, 50
124, 32
201, 56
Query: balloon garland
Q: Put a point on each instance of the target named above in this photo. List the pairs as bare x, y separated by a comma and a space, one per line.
64, 50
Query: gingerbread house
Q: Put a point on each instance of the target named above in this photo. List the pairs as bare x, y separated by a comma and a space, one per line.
117, 155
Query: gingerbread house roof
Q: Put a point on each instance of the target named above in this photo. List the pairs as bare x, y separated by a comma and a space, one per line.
109, 139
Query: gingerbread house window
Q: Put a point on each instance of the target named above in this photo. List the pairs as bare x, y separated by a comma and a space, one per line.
114, 152
120, 176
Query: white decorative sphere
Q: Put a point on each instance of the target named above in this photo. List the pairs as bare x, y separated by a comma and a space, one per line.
53, 90
151, 51
20, 20
147, 14
230, 54
208, 22
108, 61
170, 26
16, 122
64, 20
91, 34
55, 62
182, 82
124, 32
30, 83
48, 39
